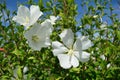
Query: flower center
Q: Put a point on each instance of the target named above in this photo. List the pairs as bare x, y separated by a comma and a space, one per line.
70, 52
26, 20
35, 38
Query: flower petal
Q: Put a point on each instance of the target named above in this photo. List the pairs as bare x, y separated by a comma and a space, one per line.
58, 48
47, 41
77, 54
67, 37
53, 19
35, 13
86, 43
19, 20
78, 45
48, 28
37, 45
23, 11
23, 16
64, 60
102, 57
31, 31
40, 32
74, 61
84, 56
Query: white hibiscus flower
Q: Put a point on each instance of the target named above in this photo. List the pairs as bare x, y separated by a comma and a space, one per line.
27, 17
103, 26
53, 19
39, 35
70, 53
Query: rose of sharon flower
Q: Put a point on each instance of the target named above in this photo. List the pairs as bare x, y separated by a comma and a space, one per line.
38, 35
53, 19
70, 53
103, 26
27, 17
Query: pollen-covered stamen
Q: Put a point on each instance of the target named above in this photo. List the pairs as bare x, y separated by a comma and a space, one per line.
70, 52
27, 20
35, 38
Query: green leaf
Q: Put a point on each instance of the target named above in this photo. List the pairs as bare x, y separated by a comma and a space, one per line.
17, 52
40, 3
31, 58
19, 72
70, 1
118, 34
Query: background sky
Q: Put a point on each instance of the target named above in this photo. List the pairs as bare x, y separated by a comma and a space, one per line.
12, 6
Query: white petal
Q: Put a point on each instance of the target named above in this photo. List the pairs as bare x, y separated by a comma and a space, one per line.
25, 69
47, 41
40, 32
23, 16
19, 20
108, 65
47, 26
37, 45
84, 56
64, 60
103, 26
78, 45
31, 31
23, 11
67, 37
53, 19
86, 43
77, 54
58, 48
35, 13
74, 61
102, 57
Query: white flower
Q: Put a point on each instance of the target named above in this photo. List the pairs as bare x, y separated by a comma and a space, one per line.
102, 57
70, 53
25, 69
108, 65
52, 19
38, 35
95, 16
27, 17
103, 26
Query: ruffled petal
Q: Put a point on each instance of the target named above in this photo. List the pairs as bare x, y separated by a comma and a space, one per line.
74, 61
64, 60
67, 37
86, 43
84, 56
35, 13
58, 48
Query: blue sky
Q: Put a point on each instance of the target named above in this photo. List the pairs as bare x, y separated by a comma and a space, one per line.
12, 5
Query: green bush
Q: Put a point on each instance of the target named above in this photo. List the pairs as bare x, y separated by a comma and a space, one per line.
18, 61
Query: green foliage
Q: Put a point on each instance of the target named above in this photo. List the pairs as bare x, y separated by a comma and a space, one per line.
42, 65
